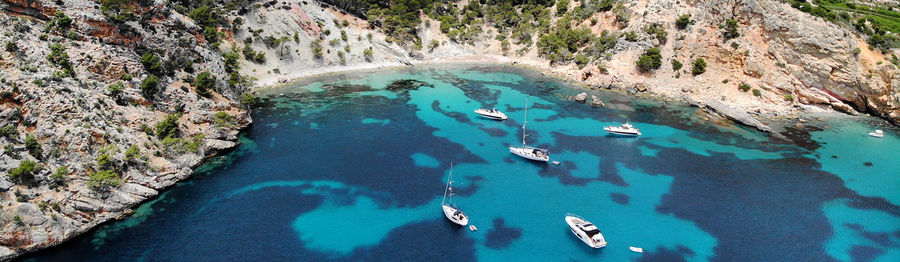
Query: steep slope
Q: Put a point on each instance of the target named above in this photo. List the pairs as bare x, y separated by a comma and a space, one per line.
82, 140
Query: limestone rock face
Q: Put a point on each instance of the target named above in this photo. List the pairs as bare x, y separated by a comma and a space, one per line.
76, 120
829, 63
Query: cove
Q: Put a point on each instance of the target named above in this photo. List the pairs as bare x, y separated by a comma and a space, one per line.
352, 167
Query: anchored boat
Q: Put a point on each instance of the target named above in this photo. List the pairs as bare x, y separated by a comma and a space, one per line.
625, 129
492, 113
450, 210
586, 231
528, 152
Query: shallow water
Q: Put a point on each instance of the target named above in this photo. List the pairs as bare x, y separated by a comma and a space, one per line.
353, 166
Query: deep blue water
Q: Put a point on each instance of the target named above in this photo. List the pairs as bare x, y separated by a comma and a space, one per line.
352, 167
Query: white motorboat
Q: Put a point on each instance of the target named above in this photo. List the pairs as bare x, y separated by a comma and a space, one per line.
450, 210
492, 113
584, 230
528, 152
625, 129
877, 133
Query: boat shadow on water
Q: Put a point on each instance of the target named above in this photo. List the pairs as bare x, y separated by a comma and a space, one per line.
579, 244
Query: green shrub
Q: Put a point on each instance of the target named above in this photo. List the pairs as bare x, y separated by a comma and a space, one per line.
168, 127
744, 87
232, 62
316, 47
204, 83
367, 53
223, 120
657, 31
8, 131
151, 63
11, 46
699, 67
132, 153
731, 29
581, 60
116, 90
33, 146
756, 92
249, 99
683, 21
25, 172
561, 7
104, 179
150, 86
58, 176
650, 60
788, 97
676, 65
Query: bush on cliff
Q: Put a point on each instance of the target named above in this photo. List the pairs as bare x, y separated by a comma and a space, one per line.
650, 60
168, 127
699, 66
150, 86
25, 172
683, 21
204, 83
33, 147
104, 179
731, 29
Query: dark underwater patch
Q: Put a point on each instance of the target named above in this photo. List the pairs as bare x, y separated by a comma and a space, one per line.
786, 196
619, 198
366, 148
501, 235
865, 253
661, 254
432, 240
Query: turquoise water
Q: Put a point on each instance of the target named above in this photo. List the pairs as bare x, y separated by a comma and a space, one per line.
353, 166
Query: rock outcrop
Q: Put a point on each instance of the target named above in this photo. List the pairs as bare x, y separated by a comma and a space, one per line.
73, 126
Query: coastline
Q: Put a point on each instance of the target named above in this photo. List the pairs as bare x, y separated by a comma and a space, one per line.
768, 118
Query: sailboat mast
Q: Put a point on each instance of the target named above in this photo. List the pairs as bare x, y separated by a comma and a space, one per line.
526, 121
449, 181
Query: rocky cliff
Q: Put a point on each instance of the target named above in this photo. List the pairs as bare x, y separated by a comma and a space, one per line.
80, 136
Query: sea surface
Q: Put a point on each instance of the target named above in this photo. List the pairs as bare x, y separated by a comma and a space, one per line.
352, 167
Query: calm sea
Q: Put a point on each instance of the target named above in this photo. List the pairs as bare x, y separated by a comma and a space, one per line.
353, 167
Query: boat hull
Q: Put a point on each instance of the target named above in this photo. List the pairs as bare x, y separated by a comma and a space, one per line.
455, 215
621, 132
572, 222
490, 115
525, 153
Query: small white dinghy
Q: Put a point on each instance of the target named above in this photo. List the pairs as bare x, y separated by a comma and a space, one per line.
473, 228
877, 133
636, 249
556, 162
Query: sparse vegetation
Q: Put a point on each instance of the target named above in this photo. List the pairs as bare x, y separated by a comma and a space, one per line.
25, 172
104, 179
756, 92
699, 66
731, 30
150, 86
204, 83
650, 60
33, 146
744, 87
223, 120
683, 21
676, 65
168, 127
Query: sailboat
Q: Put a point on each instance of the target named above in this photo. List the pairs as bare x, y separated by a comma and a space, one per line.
450, 210
527, 152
